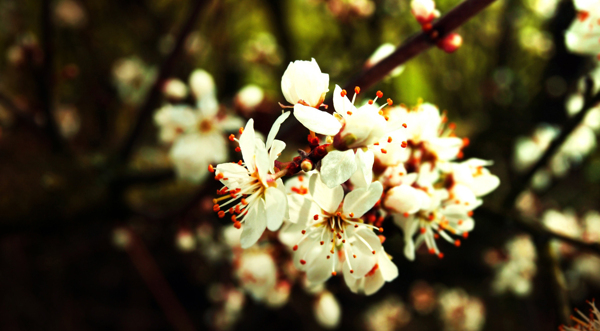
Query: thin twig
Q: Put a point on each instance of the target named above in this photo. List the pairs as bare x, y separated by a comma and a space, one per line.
158, 285
419, 43
522, 182
551, 273
45, 79
154, 94
537, 229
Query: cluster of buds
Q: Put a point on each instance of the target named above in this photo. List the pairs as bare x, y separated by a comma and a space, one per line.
424, 11
371, 162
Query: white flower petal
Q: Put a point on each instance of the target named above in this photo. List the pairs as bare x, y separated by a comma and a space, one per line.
276, 204
261, 159
373, 282
276, 148
247, 143
275, 128
364, 162
327, 198
388, 269
255, 224
485, 184
403, 199
316, 120
342, 104
360, 200
337, 167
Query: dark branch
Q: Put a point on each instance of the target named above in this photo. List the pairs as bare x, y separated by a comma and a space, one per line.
45, 79
166, 69
538, 230
522, 182
551, 273
419, 43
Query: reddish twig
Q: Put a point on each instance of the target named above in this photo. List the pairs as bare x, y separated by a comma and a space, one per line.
419, 43
156, 282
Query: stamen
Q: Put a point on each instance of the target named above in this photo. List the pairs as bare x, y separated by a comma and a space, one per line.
231, 137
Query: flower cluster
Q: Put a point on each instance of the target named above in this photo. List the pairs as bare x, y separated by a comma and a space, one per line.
374, 161
196, 133
514, 272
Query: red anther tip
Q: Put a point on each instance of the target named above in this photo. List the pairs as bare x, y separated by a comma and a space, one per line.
465, 235
211, 168
371, 102
441, 255
373, 252
295, 248
431, 251
237, 225
457, 243
380, 229
241, 130
349, 112
379, 94
351, 214
390, 102
384, 151
389, 140
344, 93
302, 262
303, 231
466, 142
381, 240
405, 214
238, 149
357, 90
231, 137
422, 230
404, 125
216, 208
316, 217
351, 271
333, 273
322, 242
221, 214
404, 144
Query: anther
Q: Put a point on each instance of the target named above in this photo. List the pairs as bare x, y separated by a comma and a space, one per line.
351, 214
371, 102
405, 214
302, 262
295, 248
333, 273
389, 140
457, 243
431, 251
465, 235
404, 125
221, 214
384, 151
357, 90
316, 217
379, 94
303, 231
351, 271
322, 243
349, 113
441, 255
390, 102
404, 144
238, 149
373, 252
231, 137
422, 230
237, 225
354, 256
211, 168
219, 176
241, 130
233, 218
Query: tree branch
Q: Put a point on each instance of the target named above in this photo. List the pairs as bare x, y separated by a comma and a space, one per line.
419, 43
154, 94
45, 79
523, 181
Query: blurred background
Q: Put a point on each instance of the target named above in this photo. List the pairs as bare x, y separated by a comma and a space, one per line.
99, 232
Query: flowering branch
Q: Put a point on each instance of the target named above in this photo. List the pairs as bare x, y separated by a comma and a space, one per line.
523, 181
536, 228
166, 69
419, 43
556, 278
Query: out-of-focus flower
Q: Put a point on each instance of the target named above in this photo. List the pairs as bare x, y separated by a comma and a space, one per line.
529, 150
381, 53
422, 297
197, 134
132, 78
175, 89
67, 118
383, 271
257, 273
583, 322
424, 11
231, 301
249, 98
70, 13
185, 240
345, 10
256, 185
460, 312
565, 223
387, 315
583, 36
262, 49
517, 271
327, 310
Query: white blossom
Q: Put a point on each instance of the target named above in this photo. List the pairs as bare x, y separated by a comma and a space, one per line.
327, 310
304, 83
255, 186
583, 36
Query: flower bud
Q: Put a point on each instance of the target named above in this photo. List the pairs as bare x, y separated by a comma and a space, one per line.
424, 10
450, 43
304, 81
306, 165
